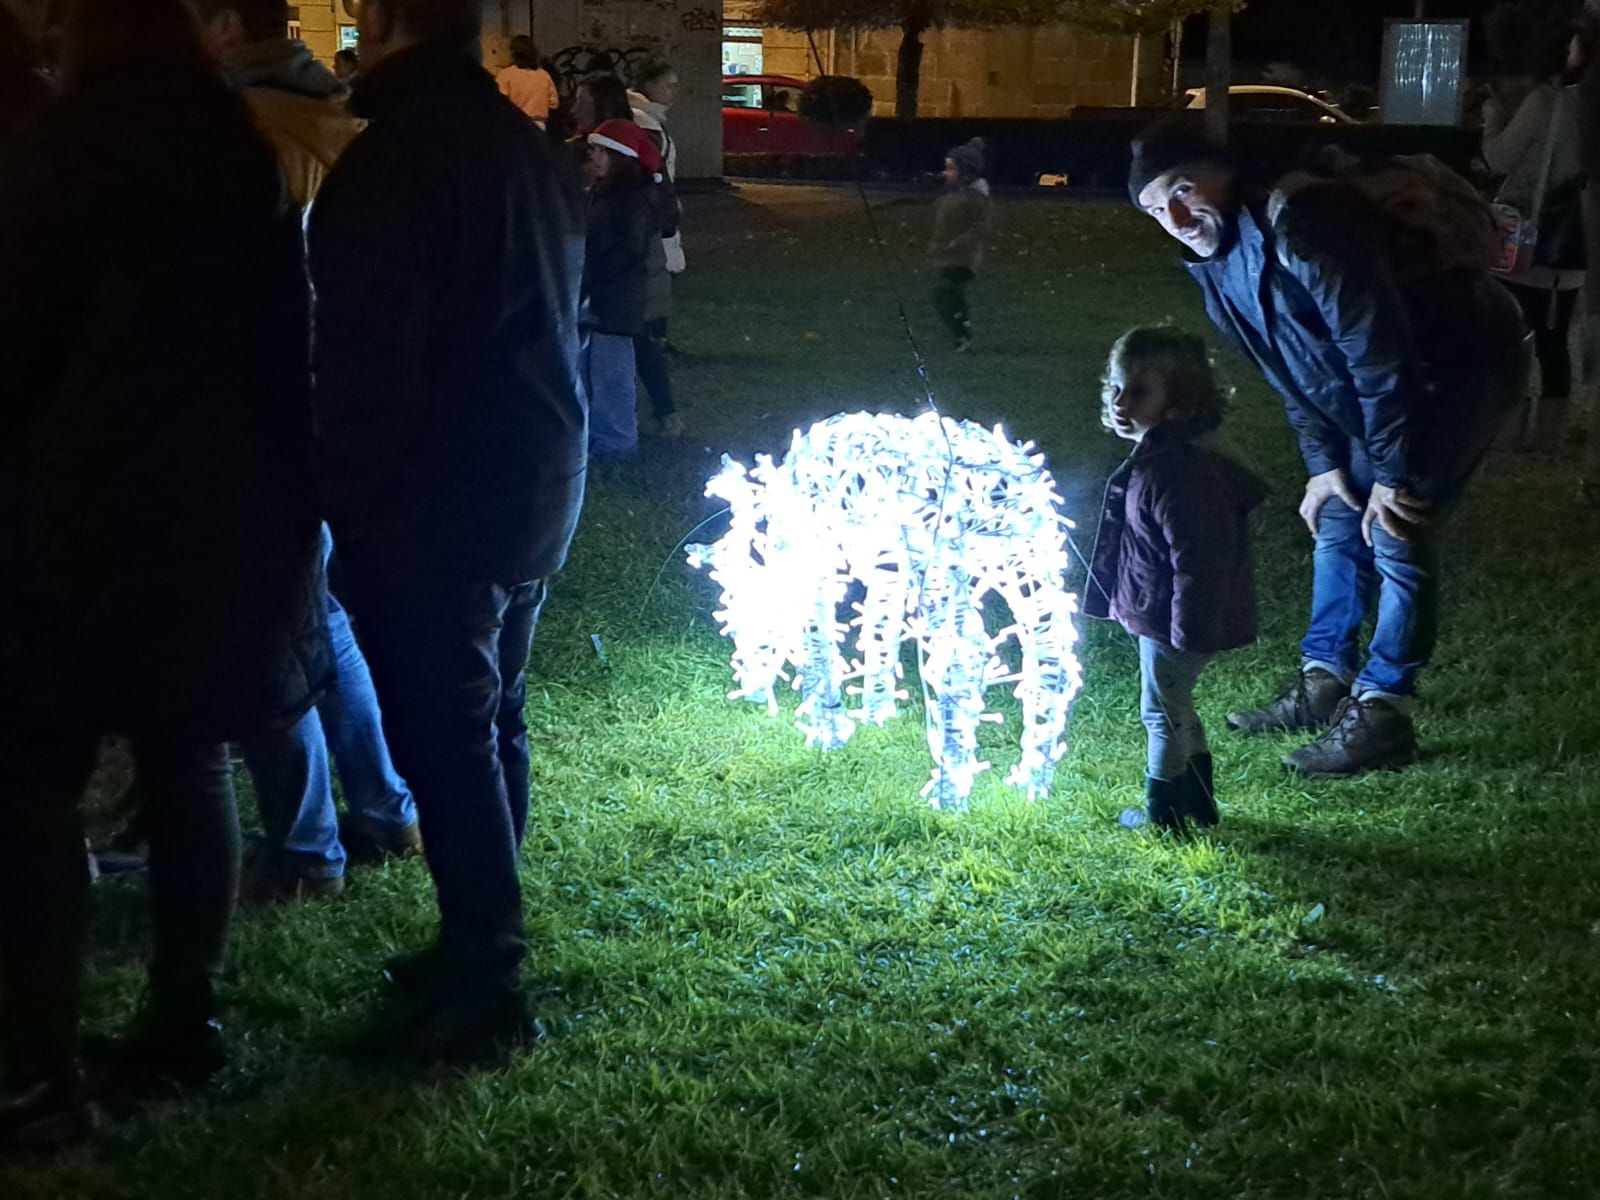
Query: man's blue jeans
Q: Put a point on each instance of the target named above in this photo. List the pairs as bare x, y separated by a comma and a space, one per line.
1401, 575
293, 780
1449, 442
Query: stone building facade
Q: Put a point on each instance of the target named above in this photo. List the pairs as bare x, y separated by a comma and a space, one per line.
576, 32
1043, 72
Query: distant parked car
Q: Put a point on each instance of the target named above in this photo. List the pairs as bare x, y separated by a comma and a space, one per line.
1263, 102
761, 115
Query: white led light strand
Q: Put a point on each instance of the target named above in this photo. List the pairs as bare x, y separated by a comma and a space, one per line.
916, 522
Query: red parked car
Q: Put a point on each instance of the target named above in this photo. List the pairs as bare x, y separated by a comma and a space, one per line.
761, 115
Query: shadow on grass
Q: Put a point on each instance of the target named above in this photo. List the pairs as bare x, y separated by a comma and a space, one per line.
1519, 903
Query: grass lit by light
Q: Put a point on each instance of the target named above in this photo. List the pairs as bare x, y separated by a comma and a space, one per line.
768, 971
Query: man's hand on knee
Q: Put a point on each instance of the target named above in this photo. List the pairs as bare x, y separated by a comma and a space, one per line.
1322, 488
1401, 514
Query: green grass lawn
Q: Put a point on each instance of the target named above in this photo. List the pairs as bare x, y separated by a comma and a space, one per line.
768, 971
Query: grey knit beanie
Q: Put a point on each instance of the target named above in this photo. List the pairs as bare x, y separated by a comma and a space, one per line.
968, 158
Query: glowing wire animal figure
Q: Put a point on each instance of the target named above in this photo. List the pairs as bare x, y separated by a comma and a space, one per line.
917, 521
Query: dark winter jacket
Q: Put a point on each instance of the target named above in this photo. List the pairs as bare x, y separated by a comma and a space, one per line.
960, 225
446, 250
1172, 556
623, 222
1411, 371
158, 533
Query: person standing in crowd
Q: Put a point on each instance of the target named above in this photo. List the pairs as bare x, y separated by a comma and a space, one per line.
1395, 392
624, 171
347, 65
307, 845
527, 84
599, 98
1171, 561
655, 92
158, 532
960, 224
446, 254
292, 97
1540, 145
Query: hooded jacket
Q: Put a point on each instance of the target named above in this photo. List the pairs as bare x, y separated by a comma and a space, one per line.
447, 250
298, 104
1172, 558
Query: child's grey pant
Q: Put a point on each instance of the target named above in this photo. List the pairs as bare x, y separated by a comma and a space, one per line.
1174, 734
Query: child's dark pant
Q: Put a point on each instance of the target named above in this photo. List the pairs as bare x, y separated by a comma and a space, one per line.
950, 301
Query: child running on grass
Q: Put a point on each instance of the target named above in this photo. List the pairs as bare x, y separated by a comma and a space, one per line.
1171, 561
960, 223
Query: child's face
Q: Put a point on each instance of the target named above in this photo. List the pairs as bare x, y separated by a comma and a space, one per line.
951, 175
598, 165
1135, 400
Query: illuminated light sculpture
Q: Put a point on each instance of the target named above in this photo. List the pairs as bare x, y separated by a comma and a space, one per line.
917, 521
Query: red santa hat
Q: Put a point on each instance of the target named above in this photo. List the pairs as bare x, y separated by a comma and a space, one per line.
630, 141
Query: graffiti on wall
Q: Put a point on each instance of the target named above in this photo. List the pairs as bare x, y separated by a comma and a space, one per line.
701, 20
654, 20
574, 64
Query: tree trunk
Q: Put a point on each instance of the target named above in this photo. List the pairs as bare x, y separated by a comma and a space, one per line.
1219, 70
908, 68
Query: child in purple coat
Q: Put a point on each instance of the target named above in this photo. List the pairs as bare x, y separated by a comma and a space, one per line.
1171, 561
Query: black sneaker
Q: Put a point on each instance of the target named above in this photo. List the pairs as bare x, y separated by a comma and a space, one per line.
1307, 701
1365, 735
46, 1112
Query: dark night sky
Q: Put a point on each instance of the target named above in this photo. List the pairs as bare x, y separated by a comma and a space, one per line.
1339, 39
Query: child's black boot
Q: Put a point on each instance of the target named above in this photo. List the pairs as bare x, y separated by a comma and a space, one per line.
1201, 799
1166, 802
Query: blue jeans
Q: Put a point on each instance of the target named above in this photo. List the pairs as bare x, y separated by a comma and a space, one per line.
607, 364
1450, 438
1400, 574
294, 784
449, 654
1173, 732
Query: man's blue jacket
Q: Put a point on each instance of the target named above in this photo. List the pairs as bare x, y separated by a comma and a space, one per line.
1416, 368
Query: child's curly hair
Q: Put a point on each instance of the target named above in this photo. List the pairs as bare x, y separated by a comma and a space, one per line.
1197, 402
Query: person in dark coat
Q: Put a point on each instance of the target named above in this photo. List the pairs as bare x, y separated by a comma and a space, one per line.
1171, 562
446, 252
307, 845
624, 221
158, 534
1395, 380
